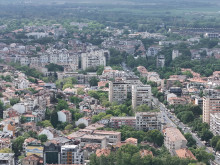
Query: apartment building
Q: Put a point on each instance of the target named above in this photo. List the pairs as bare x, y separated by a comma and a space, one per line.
148, 120
71, 154
141, 121
117, 122
175, 54
93, 59
174, 140
141, 94
61, 57
113, 137
118, 92
7, 159
215, 123
160, 61
211, 105
94, 139
177, 101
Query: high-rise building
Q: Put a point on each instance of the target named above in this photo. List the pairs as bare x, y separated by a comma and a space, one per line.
175, 54
160, 61
71, 154
118, 92
215, 123
211, 105
148, 120
93, 59
141, 94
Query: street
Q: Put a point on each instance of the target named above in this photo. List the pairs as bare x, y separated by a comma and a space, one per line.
172, 120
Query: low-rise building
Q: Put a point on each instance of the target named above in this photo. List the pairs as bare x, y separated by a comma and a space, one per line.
141, 121
94, 139
117, 122
64, 116
113, 137
177, 101
185, 153
32, 160
7, 159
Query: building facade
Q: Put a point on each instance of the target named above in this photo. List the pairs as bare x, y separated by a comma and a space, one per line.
148, 121
174, 140
141, 94
211, 105
118, 92
93, 59
71, 154
215, 123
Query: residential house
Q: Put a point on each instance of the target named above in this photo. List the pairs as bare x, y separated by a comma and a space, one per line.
32, 160
64, 116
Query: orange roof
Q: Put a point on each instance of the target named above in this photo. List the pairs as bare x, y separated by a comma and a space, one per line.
131, 141
100, 152
185, 153
33, 158
145, 153
174, 134
102, 83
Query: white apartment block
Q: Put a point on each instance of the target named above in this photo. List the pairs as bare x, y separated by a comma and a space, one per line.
211, 105
44, 59
93, 139
174, 140
34, 61
141, 94
118, 92
60, 57
24, 61
148, 120
71, 154
113, 137
215, 123
175, 54
93, 59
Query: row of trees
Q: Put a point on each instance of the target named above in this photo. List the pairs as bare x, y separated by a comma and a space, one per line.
130, 155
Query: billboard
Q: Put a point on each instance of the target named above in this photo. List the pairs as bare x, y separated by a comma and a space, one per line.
37, 150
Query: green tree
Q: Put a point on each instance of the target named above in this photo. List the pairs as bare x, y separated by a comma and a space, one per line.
62, 104
69, 127
22, 119
202, 156
42, 138
93, 81
14, 101
206, 135
17, 145
191, 142
54, 119
45, 123
214, 141
81, 125
6, 150
100, 70
155, 136
2, 108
